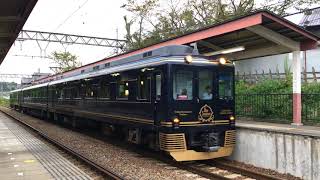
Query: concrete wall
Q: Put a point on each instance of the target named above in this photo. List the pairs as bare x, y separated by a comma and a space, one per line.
286, 153
277, 61
263, 64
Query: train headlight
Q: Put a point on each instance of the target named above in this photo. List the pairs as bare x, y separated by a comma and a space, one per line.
188, 59
222, 60
126, 92
232, 118
176, 121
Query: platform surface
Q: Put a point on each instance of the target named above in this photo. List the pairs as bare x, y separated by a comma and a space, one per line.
312, 131
23, 156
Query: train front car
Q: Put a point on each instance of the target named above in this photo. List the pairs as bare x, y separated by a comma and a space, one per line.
201, 122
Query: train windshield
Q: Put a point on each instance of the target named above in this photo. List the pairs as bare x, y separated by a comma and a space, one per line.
226, 85
205, 84
183, 85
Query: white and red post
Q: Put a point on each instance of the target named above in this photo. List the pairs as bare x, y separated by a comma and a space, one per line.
297, 106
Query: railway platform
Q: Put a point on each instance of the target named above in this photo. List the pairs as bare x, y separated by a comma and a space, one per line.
24, 156
280, 147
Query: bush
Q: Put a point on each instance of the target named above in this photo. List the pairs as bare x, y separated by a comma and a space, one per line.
4, 102
269, 98
272, 99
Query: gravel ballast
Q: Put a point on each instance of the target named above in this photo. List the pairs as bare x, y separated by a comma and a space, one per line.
120, 160
124, 162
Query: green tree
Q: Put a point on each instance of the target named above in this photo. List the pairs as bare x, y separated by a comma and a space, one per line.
141, 13
154, 20
65, 61
283, 7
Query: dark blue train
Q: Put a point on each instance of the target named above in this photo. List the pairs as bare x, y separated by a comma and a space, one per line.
168, 99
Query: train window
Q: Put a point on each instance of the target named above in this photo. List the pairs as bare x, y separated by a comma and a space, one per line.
90, 92
68, 92
123, 90
61, 94
95, 68
144, 88
225, 85
76, 91
158, 86
205, 85
182, 85
104, 91
91, 89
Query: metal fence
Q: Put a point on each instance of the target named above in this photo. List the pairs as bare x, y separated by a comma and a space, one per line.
265, 107
277, 107
311, 109
312, 76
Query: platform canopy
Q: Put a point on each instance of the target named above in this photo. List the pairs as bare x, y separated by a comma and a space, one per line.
261, 33
13, 15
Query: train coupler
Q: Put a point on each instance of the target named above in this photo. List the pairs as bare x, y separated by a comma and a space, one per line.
211, 142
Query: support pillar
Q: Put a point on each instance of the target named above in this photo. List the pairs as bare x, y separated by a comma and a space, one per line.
297, 106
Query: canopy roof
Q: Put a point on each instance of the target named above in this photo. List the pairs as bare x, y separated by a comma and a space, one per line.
13, 15
312, 19
262, 33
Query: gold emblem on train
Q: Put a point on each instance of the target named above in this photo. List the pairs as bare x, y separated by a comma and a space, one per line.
206, 114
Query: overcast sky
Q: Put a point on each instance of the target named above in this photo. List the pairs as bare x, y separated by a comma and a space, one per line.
99, 18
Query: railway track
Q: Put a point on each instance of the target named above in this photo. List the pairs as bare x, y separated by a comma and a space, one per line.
105, 173
220, 170
243, 171
214, 169
211, 169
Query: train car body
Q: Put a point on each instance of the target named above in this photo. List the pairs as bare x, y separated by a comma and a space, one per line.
174, 102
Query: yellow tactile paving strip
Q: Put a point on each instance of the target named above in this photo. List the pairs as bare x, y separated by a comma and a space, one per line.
16, 162
23, 156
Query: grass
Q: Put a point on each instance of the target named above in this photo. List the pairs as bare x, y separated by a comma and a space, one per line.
4, 102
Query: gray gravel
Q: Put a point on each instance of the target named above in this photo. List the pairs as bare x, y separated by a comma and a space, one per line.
122, 161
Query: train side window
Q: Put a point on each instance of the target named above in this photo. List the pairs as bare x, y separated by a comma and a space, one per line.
158, 86
144, 88
60, 93
76, 91
226, 85
123, 90
104, 91
67, 93
90, 92
91, 89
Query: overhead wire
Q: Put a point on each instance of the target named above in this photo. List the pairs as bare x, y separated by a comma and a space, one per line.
302, 11
71, 15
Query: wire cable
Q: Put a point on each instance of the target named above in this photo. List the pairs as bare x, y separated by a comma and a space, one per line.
71, 15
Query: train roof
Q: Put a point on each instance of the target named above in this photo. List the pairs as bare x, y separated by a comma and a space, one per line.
153, 61
171, 50
167, 54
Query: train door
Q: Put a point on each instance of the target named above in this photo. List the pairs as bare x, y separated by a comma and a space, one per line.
206, 92
158, 98
225, 95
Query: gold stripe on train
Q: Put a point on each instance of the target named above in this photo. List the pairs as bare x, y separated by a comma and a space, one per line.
139, 120
230, 138
172, 142
196, 123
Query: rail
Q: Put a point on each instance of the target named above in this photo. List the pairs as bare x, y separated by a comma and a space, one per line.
242, 171
107, 172
193, 167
